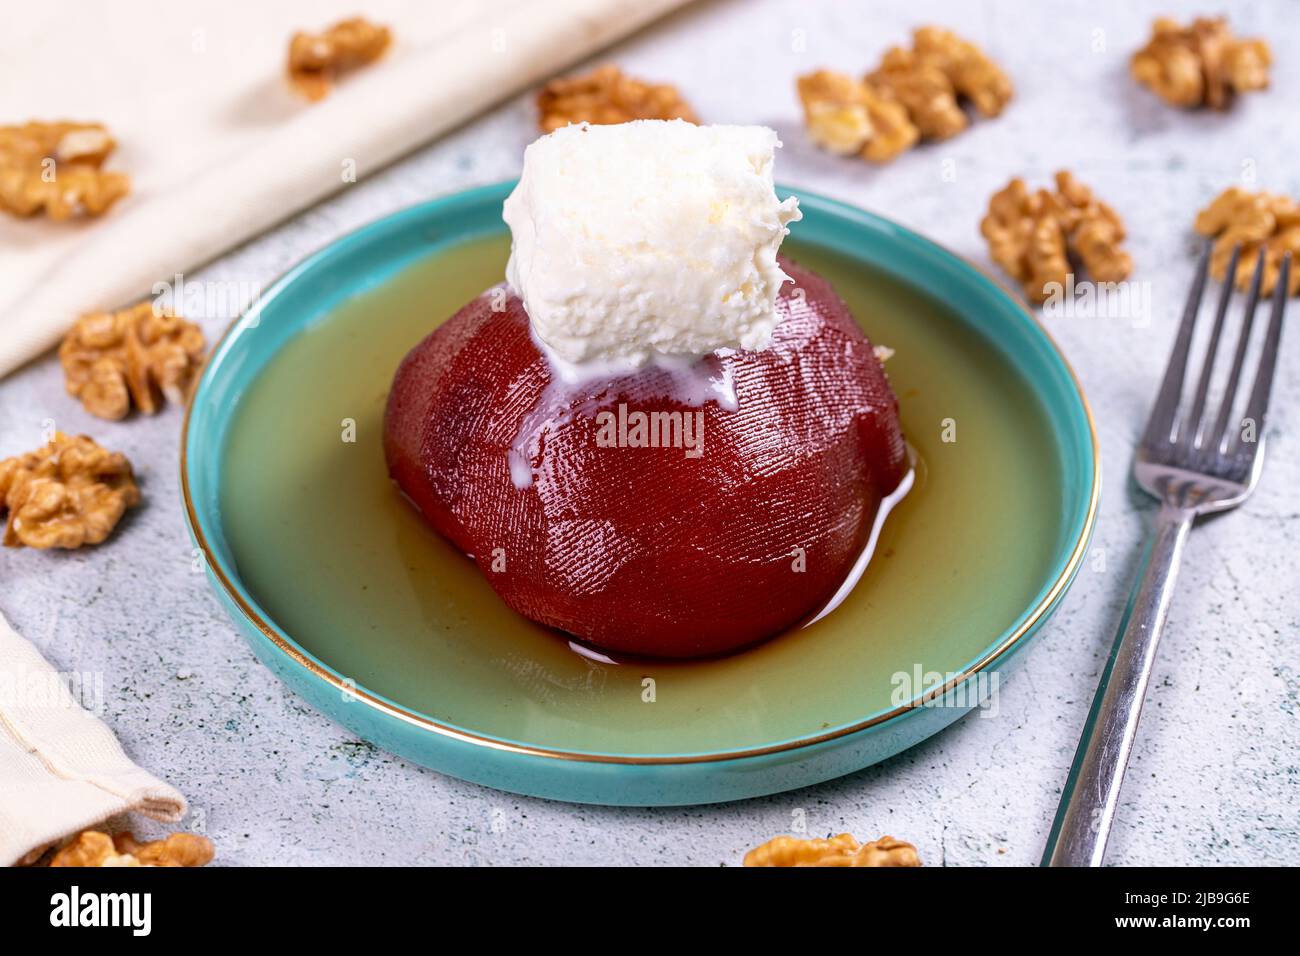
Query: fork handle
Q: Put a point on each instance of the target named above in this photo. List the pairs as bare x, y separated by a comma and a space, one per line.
1091, 792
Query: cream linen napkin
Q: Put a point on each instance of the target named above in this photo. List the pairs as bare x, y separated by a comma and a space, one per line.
217, 147
61, 769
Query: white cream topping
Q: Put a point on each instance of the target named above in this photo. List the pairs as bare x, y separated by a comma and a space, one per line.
652, 242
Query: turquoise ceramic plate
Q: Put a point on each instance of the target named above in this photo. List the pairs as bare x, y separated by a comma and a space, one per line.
346, 595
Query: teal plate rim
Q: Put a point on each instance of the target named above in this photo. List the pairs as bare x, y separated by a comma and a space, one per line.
930, 263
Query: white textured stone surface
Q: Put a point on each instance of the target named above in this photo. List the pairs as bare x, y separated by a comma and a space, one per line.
1214, 775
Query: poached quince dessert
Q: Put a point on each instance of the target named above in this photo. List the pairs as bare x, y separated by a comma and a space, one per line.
658, 435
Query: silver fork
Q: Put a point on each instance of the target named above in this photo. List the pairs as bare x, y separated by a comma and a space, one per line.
1194, 467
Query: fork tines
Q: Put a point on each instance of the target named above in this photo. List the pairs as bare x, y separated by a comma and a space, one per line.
1177, 430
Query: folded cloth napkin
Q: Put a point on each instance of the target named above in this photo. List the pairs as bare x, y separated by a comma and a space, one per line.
217, 146
61, 769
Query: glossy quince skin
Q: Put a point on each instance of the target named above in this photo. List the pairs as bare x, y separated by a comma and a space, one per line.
650, 550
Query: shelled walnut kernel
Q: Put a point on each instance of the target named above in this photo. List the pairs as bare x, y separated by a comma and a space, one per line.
607, 96
1200, 65
913, 94
113, 360
317, 59
90, 848
847, 117
842, 850
1251, 220
56, 168
1034, 235
69, 492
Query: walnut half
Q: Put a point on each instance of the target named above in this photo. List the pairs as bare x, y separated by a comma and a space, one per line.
1034, 235
607, 96
69, 493
55, 167
842, 850
317, 59
90, 848
113, 360
848, 117
913, 94
1200, 65
1238, 217
973, 75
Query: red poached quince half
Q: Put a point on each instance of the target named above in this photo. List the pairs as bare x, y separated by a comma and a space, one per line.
740, 522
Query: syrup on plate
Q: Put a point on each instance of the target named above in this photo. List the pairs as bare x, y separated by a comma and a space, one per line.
334, 554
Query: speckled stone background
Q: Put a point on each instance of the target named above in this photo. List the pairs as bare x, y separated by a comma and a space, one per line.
1214, 773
